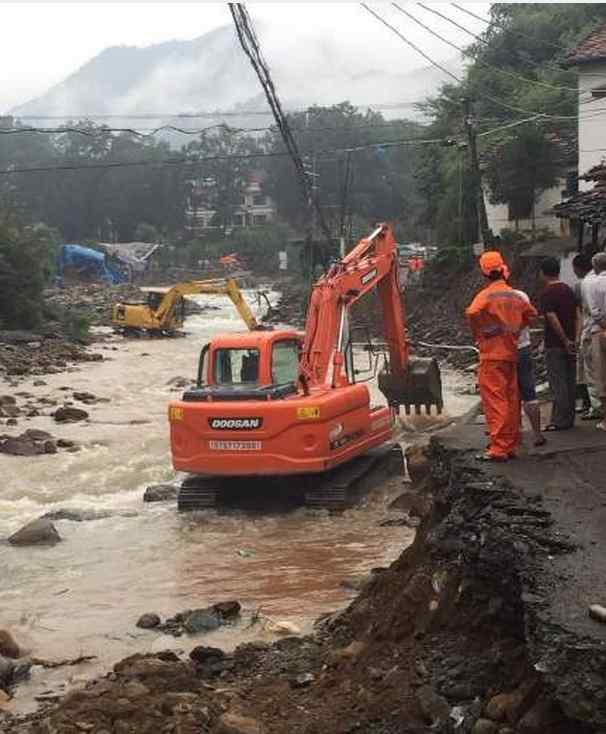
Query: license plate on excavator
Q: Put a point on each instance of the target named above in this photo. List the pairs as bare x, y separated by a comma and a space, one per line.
235, 445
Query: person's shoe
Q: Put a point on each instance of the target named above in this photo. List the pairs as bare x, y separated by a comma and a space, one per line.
601, 426
591, 415
498, 458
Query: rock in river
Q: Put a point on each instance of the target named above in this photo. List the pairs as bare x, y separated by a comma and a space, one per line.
202, 620
38, 532
8, 647
148, 621
160, 493
67, 414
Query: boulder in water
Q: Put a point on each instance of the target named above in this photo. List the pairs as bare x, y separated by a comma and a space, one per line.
7, 668
202, 620
68, 414
160, 493
8, 647
228, 609
148, 621
21, 446
38, 532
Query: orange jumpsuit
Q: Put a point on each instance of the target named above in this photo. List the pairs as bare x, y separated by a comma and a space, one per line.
496, 316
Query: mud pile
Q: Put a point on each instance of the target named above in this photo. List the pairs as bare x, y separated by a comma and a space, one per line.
445, 640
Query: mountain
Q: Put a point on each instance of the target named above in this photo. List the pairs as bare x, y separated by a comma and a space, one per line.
211, 73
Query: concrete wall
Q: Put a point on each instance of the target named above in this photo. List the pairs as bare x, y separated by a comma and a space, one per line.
592, 127
498, 214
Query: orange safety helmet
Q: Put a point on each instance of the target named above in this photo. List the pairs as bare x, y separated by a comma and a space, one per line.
491, 261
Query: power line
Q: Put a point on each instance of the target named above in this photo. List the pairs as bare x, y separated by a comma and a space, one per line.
486, 43
191, 162
463, 51
252, 48
151, 132
411, 44
535, 40
194, 115
494, 100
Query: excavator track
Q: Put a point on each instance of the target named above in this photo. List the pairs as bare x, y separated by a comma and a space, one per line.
342, 487
198, 493
336, 490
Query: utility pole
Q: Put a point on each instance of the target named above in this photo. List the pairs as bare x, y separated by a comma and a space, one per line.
485, 233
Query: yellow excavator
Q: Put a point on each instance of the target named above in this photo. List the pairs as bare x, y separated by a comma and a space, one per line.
164, 312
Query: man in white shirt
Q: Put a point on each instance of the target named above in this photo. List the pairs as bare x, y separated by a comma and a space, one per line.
526, 381
583, 269
596, 295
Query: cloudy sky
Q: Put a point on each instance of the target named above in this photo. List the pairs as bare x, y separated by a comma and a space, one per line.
43, 42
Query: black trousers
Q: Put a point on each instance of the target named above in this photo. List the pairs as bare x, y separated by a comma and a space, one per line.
562, 375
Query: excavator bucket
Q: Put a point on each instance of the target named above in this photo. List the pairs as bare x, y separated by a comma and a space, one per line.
421, 386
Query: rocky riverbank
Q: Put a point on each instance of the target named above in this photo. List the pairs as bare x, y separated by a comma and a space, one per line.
455, 636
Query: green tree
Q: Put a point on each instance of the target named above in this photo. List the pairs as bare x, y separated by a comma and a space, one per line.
540, 159
26, 265
220, 180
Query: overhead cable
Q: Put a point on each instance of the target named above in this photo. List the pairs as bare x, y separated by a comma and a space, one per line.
190, 161
486, 43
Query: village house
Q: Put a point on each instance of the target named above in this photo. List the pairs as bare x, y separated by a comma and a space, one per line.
586, 210
255, 208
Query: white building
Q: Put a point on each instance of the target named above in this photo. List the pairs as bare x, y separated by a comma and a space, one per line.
254, 209
500, 218
589, 58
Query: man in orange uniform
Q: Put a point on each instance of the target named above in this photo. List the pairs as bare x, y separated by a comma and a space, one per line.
496, 316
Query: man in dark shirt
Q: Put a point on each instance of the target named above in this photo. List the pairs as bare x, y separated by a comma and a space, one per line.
559, 307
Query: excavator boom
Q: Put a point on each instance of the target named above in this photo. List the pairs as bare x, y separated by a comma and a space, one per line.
164, 316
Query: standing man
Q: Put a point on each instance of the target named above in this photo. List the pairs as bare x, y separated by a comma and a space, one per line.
496, 316
559, 307
583, 269
597, 303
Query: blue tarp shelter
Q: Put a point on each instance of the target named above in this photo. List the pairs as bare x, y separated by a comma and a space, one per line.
89, 262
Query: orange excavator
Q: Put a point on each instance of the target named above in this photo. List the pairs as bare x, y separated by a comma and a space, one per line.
282, 403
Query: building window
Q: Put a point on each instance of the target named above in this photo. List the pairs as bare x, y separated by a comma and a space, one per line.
259, 200
260, 219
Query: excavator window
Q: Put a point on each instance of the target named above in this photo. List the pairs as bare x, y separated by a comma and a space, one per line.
154, 300
236, 366
285, 362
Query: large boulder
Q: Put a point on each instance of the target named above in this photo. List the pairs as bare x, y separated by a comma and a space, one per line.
38, 532
202, 620
21, 446
8, 647
148, 621
69, 414
7, 669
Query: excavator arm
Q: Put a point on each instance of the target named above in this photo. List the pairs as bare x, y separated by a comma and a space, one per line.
373, 263
219, 287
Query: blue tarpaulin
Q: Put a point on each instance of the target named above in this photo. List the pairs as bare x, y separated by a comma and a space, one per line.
89, 262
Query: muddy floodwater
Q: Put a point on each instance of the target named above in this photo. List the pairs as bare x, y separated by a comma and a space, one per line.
84, 595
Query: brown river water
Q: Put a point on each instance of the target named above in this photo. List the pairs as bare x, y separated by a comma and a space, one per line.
84, 595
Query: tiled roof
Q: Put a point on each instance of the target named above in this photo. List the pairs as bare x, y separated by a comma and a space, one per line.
588, 206
592, 48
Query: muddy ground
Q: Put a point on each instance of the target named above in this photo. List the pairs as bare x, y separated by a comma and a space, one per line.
469, 630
